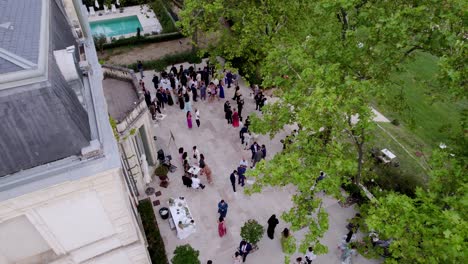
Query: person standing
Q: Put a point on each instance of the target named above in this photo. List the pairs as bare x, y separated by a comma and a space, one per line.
244, 249
272, 223
240, 105
197, 117
207, 172
254, 149
258, 98
228, 112
241, 176
353, 226
237, 93
196, 155
235, 119
159, 98
147, 97
201, 163
257, 158
140, 68
310, 255
189, 120
222, 208
229, 79
169, 97
203, 91
194, 92
222, 230
188, 104
232, 178
263, 149
181, 99
221, 90
241, 134
155, 81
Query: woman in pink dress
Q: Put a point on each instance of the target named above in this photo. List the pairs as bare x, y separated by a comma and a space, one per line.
222, 230
235, 119
189, 120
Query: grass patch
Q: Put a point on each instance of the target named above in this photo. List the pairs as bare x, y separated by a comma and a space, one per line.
156, 248
163, 16
429, 120
412, 170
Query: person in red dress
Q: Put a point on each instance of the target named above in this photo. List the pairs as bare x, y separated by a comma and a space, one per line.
222, 230
235, 119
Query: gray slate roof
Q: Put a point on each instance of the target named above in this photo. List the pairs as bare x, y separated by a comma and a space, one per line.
20, 29
42, 122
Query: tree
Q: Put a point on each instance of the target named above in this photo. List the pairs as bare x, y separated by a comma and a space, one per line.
328, 60
432, 227
252, 231
185, 254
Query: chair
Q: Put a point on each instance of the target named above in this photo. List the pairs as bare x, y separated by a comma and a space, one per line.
106, 10
113, 8
91, 11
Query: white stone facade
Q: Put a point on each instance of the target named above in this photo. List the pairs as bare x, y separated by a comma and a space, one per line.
91, 220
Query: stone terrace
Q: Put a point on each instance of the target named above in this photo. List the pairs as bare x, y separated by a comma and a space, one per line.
220, 144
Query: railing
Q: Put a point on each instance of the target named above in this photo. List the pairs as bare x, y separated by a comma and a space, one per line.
125, 74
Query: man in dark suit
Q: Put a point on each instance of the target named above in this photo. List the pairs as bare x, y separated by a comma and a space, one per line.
232, 177
244, 249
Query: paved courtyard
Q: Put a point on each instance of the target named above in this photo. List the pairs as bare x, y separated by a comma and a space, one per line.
220, 144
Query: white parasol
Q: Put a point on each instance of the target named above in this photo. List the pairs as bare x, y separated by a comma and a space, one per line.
96, 4
145, 169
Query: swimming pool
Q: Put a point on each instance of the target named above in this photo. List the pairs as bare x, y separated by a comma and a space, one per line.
116, 26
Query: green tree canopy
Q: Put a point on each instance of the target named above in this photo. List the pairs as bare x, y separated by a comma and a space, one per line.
327, 60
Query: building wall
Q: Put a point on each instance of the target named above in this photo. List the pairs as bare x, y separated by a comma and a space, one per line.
128, 148
84, 221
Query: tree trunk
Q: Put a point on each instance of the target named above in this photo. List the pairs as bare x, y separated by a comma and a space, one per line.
360, 146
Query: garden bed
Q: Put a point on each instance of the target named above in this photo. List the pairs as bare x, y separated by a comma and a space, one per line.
156, 247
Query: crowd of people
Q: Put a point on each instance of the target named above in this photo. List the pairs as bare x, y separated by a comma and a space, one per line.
186, 86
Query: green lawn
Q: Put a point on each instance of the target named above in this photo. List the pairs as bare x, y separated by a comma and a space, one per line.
429, 121
424, 123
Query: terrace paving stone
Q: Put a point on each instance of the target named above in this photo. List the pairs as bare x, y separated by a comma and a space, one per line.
220, 144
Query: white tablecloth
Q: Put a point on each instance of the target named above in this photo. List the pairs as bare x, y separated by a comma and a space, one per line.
194, 170
181, 213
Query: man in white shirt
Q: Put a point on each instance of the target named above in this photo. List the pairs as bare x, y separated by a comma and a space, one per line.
309, 256
244, 163
196, 183
196, 154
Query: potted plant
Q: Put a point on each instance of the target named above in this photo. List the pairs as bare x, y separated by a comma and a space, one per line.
185, 254
161, 171
252, 232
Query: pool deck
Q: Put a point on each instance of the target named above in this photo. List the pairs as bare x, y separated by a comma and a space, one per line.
148, 19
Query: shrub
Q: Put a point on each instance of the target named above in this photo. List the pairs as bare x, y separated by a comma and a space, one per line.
185, 254
100, 41
161, 64
155, 243
134, 41
161, 170
288, 244
163, 16
252, 231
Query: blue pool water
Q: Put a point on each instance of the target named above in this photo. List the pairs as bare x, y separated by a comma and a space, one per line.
116, 26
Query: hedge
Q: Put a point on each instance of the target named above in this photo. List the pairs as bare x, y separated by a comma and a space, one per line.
155, 243
164, 62
164, 18
132, 41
